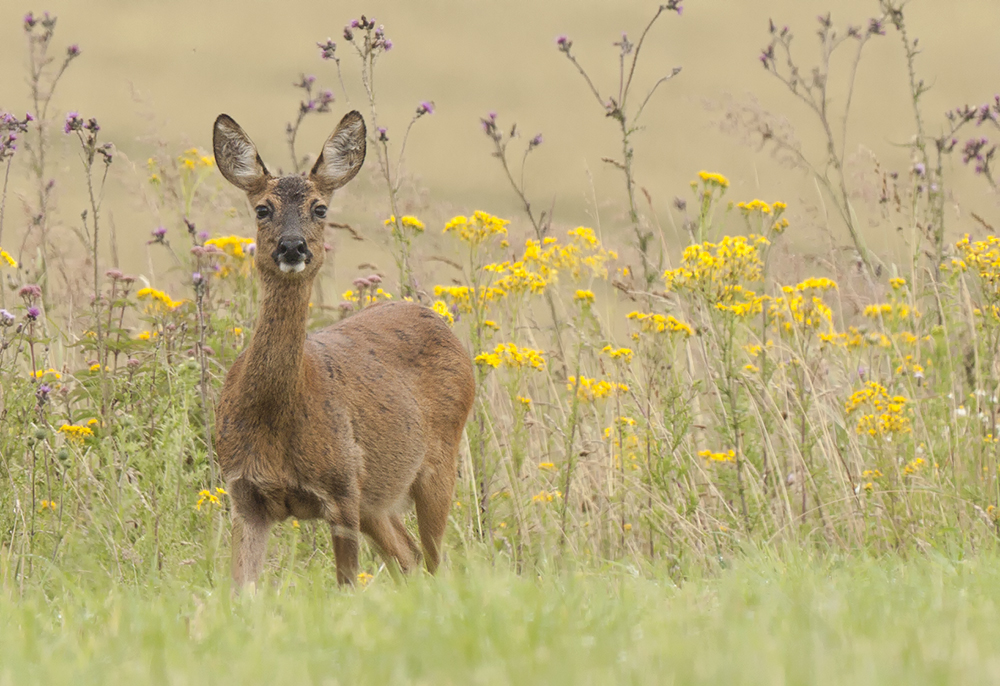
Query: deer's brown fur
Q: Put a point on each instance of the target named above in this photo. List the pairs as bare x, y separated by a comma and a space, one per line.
349, 424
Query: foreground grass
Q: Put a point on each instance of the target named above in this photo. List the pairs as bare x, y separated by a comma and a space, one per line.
926, 620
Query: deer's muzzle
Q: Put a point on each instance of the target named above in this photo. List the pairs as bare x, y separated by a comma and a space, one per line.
292, 254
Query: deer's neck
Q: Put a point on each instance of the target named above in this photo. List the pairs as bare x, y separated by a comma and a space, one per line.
274, 361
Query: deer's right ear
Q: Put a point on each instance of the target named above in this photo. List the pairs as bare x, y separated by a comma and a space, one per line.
236, 155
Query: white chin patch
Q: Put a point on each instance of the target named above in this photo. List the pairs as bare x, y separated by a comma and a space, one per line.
294, 268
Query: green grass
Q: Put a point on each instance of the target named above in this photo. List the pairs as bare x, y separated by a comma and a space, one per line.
764, 621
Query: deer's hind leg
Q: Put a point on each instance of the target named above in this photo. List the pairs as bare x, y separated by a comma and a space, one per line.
389, 534
250, 532
432, 494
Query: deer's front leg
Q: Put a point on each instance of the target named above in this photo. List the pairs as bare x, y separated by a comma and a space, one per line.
249, 548
346, 535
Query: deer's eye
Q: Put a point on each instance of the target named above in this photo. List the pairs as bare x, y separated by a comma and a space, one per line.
320, 211
263, 211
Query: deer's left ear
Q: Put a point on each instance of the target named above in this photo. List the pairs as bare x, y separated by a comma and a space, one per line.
343, 154
236, 155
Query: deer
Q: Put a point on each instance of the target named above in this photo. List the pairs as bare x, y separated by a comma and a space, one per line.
351, 424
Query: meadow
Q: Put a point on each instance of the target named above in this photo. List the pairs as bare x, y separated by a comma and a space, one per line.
720, 433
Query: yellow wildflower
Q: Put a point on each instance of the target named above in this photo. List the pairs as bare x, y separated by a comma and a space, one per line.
658, 323
710, 179
206, 496
618, 353
477, 228
544, 496
585, 297
158, 300
726, 456
5, 257
76, 433
441, 308
406, 221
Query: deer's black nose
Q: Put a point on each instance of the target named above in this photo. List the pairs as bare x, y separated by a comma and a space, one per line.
292, 251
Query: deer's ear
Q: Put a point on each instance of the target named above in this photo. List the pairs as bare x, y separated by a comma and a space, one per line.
236, 155
343, 154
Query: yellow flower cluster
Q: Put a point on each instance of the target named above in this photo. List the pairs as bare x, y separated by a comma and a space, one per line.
441, 308
726, 456
158, 300
624, 354
206, 496
234, 246
757, 206
714, 268
544, 496
887, 415
749, 302
807, 312
583, 255
47, 505
76, 433
461, 296
908, 366
50, 372
477, 228
514, 278
712, 179
897, 282
407, 222
658, 323
983, 257
913, 466
895, 310
6, 258
590, 390
585, 297
512, 356
192, 158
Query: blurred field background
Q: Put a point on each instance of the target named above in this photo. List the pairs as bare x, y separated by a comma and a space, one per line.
161, 72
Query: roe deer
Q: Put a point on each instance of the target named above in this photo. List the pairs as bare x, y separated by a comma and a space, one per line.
348, 424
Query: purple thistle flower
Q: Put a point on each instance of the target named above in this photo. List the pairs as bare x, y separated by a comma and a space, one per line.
251, 249
6, 318
355, 24
30, 291
28, 117
387, 44
197, 278
348, 34
73, 122
536, 141
159, 233
73, 50
29, 21
327, 50
425, 108
920, 169
33, 313
382, 134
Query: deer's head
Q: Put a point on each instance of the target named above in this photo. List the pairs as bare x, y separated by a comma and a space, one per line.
291, 209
